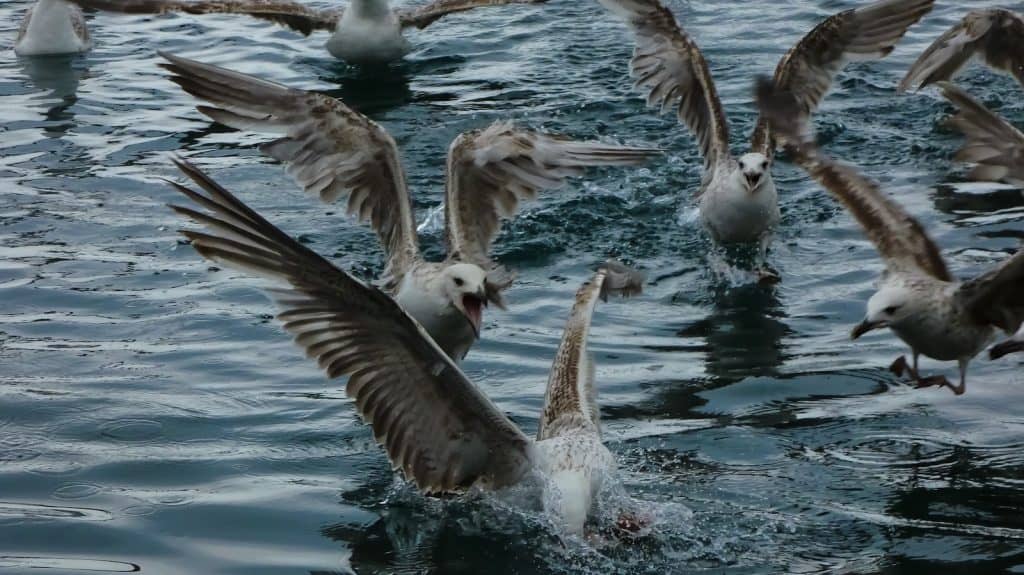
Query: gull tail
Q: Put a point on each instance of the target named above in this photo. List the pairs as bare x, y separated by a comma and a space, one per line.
1005, 348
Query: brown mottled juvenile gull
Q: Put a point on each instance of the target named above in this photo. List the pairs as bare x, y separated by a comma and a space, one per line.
738, 200
996, 147
439, 430
332, 152
52, 27
995, 34
917, 298
367, 31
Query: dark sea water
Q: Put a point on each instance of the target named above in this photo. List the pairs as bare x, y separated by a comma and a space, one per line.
154, 418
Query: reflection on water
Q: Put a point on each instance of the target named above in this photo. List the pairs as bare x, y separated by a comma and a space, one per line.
57, 77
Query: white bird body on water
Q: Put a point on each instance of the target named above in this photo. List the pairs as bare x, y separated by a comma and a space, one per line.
52, 27
439, 430
738, 199
366, 32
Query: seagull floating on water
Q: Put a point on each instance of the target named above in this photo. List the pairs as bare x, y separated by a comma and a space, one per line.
995, 34
738, 200
52, 27
332, 151
996, 147
366, 32
439, 430
918, 299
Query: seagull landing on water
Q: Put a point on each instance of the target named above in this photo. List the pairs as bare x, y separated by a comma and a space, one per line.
333, 151
52, 27
917, 298
366, 32
996, 35
439, 430
738, 200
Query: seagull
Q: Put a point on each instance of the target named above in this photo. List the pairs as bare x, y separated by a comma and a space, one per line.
332, 151
995, 34
993, 144
1014, 344
52, 27
439, 430
367, 32
917, 298
738, 200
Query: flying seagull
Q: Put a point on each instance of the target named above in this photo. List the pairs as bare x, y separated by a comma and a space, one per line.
439, 430
918, 299
738, 200
996, 35
332, 151
996, 147
1014, 344
366, 32
52, 27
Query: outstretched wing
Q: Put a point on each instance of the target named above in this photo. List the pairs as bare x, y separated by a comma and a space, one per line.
993, 144
996, 35
329, 149
997, 297
899, 238
570, 402
491, 171
439, 430
866, 33
672, 67
427, 14
294, 15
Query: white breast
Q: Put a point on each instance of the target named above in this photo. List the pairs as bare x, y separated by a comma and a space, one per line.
734, 215
575, 466
449, 328
53, 27
368, 36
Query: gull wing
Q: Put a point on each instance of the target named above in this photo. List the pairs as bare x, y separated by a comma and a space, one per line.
427, 14
996, 35
329, 149
294, 15
997, 297
571, 401
439, 430
900, 239
671, 66
866, 33
993, 144
492, 170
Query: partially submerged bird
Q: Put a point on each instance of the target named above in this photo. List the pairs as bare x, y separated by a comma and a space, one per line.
738, 200
439, 430
1012, 345
52, 27
333, 151
366, 32
996, 147
917, 298
995, 34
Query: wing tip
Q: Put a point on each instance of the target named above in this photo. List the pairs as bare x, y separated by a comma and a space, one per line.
621, 280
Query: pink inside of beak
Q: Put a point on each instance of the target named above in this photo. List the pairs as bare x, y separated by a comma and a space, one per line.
474, 309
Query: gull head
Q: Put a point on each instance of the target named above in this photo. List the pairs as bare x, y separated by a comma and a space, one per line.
465, 286
890, 305
754, 167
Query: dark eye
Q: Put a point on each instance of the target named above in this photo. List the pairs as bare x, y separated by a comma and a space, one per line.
764, 165
891, 309
459, 282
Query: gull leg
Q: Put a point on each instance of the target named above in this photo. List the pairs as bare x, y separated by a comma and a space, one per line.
765, 274
900, 367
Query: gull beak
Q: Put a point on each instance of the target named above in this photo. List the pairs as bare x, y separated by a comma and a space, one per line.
866, 326
1006, 347
473, 305
753, 180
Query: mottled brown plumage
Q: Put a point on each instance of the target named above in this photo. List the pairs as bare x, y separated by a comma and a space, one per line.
996, 35
423, 16
294, 15
996, 147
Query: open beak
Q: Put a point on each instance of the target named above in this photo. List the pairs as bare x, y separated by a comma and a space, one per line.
1006, 347
473, 307
753, 180
866, 326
